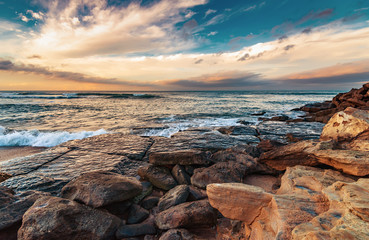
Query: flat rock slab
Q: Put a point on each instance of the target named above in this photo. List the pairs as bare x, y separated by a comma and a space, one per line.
277, 131
52, 176
24, 165
208, 141
132, 146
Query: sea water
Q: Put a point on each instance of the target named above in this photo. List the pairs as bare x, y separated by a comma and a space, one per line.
50, 118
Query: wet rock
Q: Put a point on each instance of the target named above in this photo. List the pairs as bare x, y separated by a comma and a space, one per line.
58, 218
346, 125
133, 230
282, 118
131, 146
221, 172
150, 202
12, 208
238, 130
180, 175
177, 234
99, 189
160, 177
198, 213
173, 197
137, 214
183, 157
4, 176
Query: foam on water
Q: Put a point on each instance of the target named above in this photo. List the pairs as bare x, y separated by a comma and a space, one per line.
36, 138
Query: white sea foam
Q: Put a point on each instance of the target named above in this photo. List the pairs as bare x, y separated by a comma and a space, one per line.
36, 138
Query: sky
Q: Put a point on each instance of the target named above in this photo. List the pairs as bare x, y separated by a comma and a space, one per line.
168, 45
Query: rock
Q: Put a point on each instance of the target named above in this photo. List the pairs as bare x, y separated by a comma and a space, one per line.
131, 146
137, 214
133, 230
236, 155
58, 218
150, 202
183, 157
267, 182
99, 189
221, 172
119, 209
268, 145
177, 234
301, 198
276, 118
346, 125
12, 208
4, 176
290, 155
173, 197
160, 177
198, 213
238, 201
196, 193
238, 130
228, 229
180, 175
347, 218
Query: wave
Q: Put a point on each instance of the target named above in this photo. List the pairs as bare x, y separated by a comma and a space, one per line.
53, 95
35, 138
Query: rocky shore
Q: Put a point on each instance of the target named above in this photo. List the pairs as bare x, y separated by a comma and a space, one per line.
268, 182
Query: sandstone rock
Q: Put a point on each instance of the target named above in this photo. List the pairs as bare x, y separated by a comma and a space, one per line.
150, 202
119, 209
290, 155
221, 172
302, 197
196, 193
173, 197
98, 189
238, 201
267, 182
180, 175
159, 176
58, 218
177, 234
235, 155
137, 214
183, 157
238, 130
133, 230
4, 176
346, 125
188, 214
147, 189
228, 229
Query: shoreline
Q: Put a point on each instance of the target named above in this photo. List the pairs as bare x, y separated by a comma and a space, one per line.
7, 153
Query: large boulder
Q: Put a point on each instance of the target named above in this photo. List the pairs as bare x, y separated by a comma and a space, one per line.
97, 189
58, 218
190, 214
346, 125
301, 198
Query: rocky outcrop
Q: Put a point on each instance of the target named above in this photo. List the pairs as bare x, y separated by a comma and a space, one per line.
322, 112
346, 125
97, 189
301, 198
190, 214
59, 218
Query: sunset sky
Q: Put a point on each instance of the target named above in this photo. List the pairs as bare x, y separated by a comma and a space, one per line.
183, 44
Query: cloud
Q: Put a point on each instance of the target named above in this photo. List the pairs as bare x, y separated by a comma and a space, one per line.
90, 28
6, 65
288, 47
209, 12
222, 80
253, 7
244, 57
212, 33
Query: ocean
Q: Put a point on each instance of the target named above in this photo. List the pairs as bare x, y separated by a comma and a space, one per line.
46, 119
